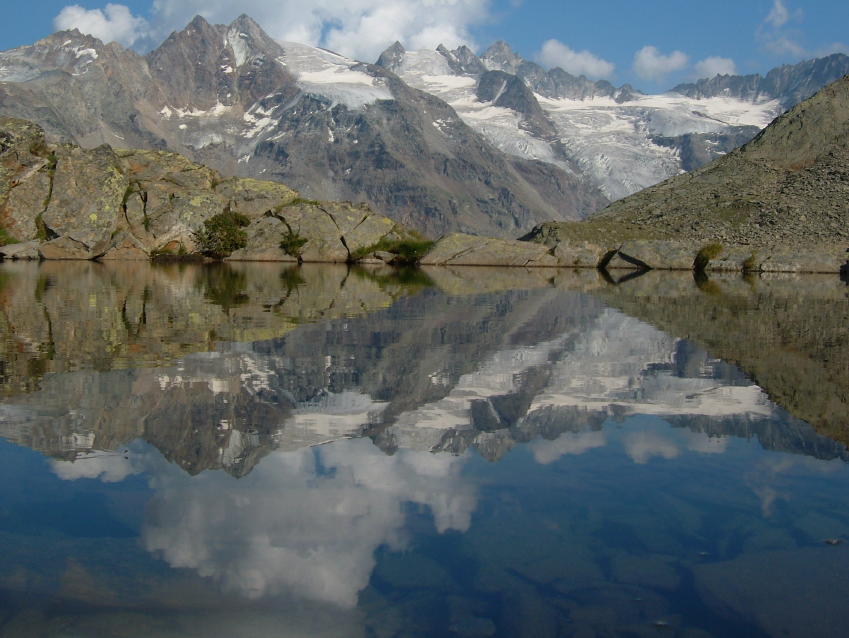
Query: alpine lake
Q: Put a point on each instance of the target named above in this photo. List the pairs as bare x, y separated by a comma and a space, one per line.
267, 450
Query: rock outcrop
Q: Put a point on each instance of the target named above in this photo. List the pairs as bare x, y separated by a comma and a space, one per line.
779, 203
230, 97
65, 202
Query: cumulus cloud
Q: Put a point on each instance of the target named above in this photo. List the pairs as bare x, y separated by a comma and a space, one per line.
713, 65
651, 64
304, 523
114, 23
555, 53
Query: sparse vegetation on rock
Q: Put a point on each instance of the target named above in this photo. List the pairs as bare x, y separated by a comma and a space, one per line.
222, 234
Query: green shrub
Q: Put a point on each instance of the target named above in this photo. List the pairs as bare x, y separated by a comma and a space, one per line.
292, 243
750, 264
406, 251
6, 238
704, 256
222, 234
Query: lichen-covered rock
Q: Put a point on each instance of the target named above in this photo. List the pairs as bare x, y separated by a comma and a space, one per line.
162, 166
264, 236
25, 201
468, 250
722, 258
175, 214
254, 198
580, 254
661, 254
129, 205
126, 248
64, 248
24, 250
804, 259
88, 189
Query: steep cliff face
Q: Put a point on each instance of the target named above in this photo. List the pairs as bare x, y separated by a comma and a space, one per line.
333, 128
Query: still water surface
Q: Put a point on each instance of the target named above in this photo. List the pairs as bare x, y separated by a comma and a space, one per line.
268, 451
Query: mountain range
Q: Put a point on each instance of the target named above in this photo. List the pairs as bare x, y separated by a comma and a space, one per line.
439, 140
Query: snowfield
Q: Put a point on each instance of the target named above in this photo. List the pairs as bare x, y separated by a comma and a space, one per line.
332, 76
610, 143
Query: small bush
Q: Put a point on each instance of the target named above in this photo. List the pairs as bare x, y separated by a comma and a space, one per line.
704, 256
6, 238
407, 251
222, 234
292, 243
750, 264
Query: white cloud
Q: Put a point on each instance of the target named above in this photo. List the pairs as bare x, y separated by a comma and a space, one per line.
304, 523
713, 65
704, 444
114, 23
555, 53
773, 32
572, 443
651, 64
361, 29
778, 16
108, 467
643, 446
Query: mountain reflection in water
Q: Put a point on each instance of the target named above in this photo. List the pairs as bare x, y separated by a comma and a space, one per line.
262, 444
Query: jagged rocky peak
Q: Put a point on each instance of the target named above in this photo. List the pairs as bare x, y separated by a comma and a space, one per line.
205, 66
69, 51
509, 91
248, 41
500, 57
790, 83
462, 60
392, 57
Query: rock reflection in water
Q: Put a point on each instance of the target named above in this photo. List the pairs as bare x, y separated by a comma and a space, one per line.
424, 370
626, 489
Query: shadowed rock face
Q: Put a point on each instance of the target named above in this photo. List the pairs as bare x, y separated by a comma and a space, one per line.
232, 98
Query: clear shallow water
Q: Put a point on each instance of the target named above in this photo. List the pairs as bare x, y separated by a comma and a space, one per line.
261, 451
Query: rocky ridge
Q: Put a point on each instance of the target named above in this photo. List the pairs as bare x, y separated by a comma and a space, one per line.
779, 203
618, 139
230, 97
65, 202
790, 83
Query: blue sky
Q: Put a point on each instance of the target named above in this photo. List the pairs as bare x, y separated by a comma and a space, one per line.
653, 44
